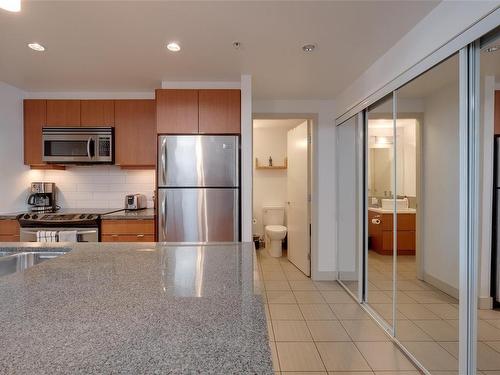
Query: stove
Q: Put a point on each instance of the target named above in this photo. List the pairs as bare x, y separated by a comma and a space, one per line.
86, 223
30, 220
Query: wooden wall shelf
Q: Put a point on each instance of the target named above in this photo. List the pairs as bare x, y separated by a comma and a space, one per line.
258, 166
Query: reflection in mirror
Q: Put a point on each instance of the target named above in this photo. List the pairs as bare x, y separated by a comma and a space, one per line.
380, 195
427, 212
347, 200
488, 338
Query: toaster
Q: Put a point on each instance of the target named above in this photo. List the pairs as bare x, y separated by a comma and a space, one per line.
135, 202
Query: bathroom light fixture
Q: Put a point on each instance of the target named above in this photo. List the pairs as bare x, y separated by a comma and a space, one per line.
493, 48
383, 140
308, 47
36, 47
173, 47
11, 5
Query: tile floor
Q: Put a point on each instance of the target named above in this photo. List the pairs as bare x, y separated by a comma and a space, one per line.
317, 328
427, 319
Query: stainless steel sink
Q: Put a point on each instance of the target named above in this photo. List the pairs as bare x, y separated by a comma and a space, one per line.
11, 262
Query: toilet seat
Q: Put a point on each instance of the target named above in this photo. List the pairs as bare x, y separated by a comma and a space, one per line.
276, 228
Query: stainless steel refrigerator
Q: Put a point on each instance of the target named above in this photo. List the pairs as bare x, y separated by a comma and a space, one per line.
198, 188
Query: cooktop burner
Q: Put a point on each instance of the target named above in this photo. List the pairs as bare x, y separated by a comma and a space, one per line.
46, 220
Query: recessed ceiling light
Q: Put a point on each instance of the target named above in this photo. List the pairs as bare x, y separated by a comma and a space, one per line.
308, 47
492, 48
173, 46
11, 5
36, 47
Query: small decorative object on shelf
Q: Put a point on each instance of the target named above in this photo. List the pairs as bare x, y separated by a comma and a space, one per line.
258, 166
270, 161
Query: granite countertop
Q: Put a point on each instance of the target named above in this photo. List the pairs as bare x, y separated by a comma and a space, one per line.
10, 215
147, 213
135, 308
386, 211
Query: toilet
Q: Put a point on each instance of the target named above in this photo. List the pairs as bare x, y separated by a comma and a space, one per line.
273, 219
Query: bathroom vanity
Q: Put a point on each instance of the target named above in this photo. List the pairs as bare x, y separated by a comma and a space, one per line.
380, 231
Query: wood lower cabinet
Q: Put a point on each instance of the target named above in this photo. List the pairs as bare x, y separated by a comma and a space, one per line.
63, 113
381, 235
127, 230
177, 111
219, 111
135, 133
35, 117
97, 113
9, 230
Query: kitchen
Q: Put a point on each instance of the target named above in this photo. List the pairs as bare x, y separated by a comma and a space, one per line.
127, 183
61, 135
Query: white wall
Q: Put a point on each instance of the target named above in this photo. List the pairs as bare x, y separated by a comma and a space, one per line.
323, 262
14, 175
486, 182
440, 187
99, 186
269, 185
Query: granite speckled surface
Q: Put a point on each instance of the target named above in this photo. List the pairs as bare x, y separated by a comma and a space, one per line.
147, 213
147, 308
10, 215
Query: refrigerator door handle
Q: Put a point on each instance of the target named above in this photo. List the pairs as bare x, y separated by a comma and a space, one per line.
162, 215
163, 161
236, 221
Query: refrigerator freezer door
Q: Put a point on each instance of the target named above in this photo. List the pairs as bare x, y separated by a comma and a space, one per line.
198, 161
198, 215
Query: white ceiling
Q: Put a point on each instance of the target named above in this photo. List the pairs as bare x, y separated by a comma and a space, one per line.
119, 45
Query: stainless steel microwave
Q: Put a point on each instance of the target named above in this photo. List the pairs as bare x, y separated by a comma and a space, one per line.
78, 145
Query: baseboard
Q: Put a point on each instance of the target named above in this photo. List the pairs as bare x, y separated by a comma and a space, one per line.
442, 286
324, 275
485, 303
348, 276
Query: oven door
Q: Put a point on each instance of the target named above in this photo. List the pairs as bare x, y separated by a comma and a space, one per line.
82, 234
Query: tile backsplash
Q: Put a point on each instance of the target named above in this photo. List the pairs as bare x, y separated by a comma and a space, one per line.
99, 186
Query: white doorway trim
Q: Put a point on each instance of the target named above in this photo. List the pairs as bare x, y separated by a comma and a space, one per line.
313, 188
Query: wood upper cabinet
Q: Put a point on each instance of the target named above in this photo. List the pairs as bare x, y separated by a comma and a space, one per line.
177, 111
97, 112
135, 133
63, 113
497, 112
35, 117
219, 111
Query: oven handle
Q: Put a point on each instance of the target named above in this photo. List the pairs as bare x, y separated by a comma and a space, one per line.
81, 232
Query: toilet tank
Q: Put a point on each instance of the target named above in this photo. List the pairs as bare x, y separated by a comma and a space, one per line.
273, 216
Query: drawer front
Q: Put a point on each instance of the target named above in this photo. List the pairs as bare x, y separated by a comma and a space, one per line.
9, 227
406, 240
405, 221
134, 227
127, 238
9, 238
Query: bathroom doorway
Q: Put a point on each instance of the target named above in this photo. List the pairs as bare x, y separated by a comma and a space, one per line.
282, 192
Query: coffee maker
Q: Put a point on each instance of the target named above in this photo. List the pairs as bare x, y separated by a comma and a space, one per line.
42, 197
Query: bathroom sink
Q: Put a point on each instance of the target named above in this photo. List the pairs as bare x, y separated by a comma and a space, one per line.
401, 204
11, 262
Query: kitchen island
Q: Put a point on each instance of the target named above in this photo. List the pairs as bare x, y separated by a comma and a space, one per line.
134, 308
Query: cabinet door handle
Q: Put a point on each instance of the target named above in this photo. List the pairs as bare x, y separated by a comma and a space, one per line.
140, 235
114, 235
